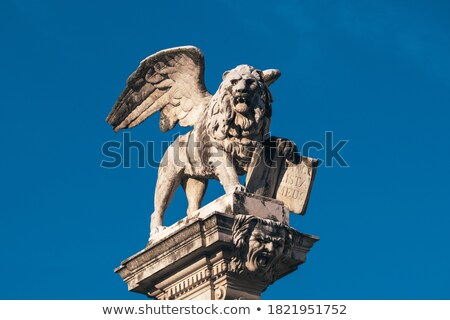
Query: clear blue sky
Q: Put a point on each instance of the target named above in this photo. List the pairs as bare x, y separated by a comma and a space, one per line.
376, 73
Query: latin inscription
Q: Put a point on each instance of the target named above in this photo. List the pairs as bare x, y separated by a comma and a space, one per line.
290, 185
295, 185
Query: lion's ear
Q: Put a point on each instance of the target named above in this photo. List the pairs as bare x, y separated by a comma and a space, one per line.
225, 74
271, 75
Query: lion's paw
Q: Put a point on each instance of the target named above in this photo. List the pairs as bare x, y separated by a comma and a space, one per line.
155, 231
240, 188
287, 149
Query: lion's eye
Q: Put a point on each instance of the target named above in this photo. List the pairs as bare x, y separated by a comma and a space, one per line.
234, 81
249, 82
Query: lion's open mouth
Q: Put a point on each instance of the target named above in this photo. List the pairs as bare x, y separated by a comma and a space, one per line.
240, 104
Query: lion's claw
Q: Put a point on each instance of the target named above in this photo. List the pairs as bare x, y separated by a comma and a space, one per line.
155, 230
287, 149
240, 188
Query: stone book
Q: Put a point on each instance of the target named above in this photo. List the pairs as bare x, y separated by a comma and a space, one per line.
273, 176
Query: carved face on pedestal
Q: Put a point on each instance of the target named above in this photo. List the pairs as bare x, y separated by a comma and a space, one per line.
260, 244
265, 247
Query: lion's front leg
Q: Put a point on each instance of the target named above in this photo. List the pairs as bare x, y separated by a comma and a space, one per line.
225, 171
229, 179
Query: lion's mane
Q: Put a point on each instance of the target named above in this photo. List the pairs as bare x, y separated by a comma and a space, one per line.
237, 133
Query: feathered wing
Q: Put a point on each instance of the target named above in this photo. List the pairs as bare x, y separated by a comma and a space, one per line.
170, 81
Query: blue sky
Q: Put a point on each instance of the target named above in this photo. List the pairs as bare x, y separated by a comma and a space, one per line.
376, 73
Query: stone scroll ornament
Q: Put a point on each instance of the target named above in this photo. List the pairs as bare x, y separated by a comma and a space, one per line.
230, 131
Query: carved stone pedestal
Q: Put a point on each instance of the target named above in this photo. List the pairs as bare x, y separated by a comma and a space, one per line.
232, 248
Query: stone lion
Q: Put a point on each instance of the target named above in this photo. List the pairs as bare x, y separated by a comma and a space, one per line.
227, 127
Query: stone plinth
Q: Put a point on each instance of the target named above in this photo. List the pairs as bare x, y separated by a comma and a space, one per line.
239, 202
225, 251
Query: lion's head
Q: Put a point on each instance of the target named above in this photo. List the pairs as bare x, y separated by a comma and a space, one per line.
242, 106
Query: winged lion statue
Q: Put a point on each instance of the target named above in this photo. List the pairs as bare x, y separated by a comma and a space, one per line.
227, 126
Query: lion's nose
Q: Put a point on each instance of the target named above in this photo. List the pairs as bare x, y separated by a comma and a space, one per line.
240, 86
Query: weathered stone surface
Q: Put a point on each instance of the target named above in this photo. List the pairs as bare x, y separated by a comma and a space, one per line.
239, 202
215, 256
295, 184
236, 202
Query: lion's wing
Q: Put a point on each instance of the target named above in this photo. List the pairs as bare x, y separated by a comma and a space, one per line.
170, 81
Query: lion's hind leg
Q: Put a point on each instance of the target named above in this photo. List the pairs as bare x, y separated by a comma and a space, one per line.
195, 189
169, 179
